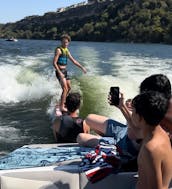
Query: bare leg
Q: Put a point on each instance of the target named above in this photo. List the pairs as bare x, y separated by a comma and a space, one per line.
86, 128
97, 123
68, 85
88, 140
64, 94
56, 127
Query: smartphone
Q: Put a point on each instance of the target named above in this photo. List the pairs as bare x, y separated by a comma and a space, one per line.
114, 92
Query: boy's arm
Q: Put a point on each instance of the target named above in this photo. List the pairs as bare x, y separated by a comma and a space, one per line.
56, 128
133, 131
76, 63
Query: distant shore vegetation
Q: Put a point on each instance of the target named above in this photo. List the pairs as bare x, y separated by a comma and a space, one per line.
118, 20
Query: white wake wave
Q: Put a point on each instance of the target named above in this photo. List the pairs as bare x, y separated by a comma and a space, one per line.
23, 84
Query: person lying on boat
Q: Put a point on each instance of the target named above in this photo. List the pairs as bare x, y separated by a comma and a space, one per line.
123, 134
69, 125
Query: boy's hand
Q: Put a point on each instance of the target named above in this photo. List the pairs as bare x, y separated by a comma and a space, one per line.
61, 75
84, 70
121, 100
109, 98
128, 103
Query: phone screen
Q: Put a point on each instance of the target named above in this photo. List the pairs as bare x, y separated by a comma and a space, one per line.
114, 92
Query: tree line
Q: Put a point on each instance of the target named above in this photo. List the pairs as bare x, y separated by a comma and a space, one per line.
126, 21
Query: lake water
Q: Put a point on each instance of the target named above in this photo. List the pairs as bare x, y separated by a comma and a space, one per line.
29, 89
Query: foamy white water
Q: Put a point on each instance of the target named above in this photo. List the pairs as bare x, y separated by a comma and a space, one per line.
20, 83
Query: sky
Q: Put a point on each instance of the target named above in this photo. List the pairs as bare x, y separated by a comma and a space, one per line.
15, 10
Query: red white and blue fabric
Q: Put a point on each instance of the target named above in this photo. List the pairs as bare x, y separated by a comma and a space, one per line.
100, 162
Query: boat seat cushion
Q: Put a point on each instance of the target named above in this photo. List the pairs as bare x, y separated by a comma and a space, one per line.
40, 179
20, 183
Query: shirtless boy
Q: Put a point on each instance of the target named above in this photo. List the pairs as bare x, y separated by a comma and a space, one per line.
155, 155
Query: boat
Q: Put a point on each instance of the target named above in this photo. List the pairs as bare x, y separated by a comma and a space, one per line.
60, 175
12, 39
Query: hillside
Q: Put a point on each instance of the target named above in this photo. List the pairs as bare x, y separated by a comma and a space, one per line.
107, 20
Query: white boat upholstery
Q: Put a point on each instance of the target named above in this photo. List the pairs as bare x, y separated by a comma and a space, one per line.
20, 183
40, 179
64, 175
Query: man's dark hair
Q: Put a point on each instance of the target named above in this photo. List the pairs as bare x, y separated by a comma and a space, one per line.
152, 106
157, 82
73, 101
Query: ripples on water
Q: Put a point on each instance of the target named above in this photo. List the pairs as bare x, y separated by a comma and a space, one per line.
29, 90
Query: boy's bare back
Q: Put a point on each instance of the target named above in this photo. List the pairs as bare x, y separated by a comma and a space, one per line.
155, 161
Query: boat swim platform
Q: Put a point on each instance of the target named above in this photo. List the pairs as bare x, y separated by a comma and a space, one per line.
62, 175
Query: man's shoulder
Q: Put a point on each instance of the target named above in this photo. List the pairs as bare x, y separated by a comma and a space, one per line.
66, 121
66, 116
74, 119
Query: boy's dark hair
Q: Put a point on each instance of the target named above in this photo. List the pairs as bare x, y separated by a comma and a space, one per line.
157, 82
65, 36
152, 106
73, 101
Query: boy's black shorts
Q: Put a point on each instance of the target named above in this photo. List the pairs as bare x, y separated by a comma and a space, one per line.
64, 71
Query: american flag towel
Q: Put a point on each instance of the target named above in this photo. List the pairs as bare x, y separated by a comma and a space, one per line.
100, 162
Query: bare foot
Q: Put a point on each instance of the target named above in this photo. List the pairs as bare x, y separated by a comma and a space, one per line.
57, 111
